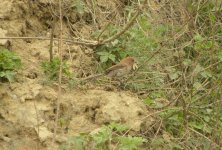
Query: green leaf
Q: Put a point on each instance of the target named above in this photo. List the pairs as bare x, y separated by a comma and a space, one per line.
118, 127
206, 74
175, 145
187, 62
9, 75
130, 143
209, 111
122, 53
115, 42
208, 44
196, 125
219, 54
80, 6
207, 144
102, 53
197, 69
198, 86
103, 135
9, 62
112, 57
148, 101
198, 37
79, 142
174, 75
157, 142
2, 74
212, 18
104, 58
51, 69
207, 118
207, 129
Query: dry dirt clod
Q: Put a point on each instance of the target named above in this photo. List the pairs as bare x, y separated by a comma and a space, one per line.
44, 133
35, 53
105, 107
3, 42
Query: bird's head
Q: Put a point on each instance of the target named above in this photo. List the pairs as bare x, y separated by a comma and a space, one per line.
131, 61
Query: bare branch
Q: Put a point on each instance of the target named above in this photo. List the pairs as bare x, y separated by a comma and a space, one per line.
128, 25
60, 73
75, 40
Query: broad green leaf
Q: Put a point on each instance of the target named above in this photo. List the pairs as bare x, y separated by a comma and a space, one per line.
9, 75
112, 57
104, 58
207, 118
115, 42
196, 125
206, 74
209, 111
148, 101
102, 53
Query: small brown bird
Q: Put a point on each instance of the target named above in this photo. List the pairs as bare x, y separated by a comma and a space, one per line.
124, 67
121, 69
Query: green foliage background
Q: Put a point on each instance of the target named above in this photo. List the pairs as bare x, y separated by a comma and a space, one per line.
186, 69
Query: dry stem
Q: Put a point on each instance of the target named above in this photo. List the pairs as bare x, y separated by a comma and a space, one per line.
60, 73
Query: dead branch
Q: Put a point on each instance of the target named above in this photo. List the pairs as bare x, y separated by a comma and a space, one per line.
128, 25
74, 40
51, 39
60, 73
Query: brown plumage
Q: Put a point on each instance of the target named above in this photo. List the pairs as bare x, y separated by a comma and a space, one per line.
121, 69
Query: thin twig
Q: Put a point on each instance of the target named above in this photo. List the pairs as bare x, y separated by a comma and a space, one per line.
104, 29
37, 118
128, 25
74, 41
203, 136
51, 38
156, 52
60, 73
158, 130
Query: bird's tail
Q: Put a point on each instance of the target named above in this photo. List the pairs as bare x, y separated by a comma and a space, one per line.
93, 77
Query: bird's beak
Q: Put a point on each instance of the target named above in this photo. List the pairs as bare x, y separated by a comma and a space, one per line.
135, 66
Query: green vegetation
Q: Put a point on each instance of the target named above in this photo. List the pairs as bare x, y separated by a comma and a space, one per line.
106, 137
51, 69
79, 6
9, 62
186, 70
